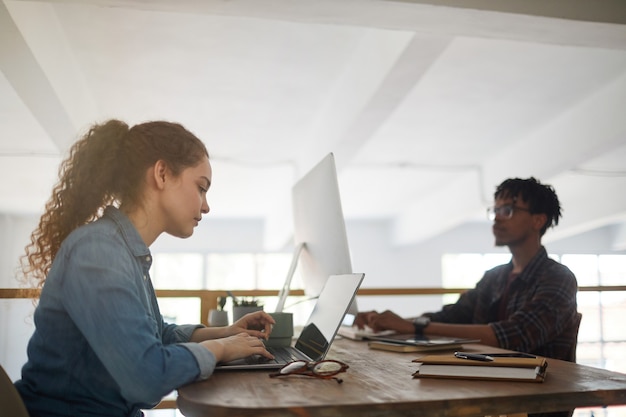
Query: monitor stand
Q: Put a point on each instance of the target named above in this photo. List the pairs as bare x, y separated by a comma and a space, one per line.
284, 292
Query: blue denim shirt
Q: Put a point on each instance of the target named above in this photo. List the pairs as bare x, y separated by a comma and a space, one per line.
100, 346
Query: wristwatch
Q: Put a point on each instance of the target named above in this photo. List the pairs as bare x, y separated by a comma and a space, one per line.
420, 323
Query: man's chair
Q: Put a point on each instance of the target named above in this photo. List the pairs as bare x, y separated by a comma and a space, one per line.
572, 355
12, 404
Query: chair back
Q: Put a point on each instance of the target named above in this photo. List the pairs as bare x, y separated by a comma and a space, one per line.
12, 404
572, 355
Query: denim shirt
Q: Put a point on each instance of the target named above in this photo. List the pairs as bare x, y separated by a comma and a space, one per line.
100, 345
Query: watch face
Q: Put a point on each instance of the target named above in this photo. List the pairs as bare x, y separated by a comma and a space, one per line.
422, 321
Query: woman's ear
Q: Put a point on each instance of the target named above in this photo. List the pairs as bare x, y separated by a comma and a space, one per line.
159, 173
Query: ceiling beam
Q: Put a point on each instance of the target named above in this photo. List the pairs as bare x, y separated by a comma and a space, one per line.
400, 79
368, 90
504, 19
23, 72
606, 11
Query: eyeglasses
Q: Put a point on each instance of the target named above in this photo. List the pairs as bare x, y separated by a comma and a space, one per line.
505, 211
326, 369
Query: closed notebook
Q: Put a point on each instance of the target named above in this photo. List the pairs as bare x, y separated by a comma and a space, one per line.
401, 347
501, 368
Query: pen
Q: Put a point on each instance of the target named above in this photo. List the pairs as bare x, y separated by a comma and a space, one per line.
510, 355
473, 356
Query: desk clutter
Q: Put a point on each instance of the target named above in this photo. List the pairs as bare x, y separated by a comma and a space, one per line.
487, 366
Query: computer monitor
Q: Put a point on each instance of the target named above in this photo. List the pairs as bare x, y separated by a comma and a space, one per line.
321, 241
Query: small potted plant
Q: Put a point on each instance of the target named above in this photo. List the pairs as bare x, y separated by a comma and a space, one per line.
241, 307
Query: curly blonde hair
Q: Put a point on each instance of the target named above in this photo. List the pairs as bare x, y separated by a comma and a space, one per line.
105, 167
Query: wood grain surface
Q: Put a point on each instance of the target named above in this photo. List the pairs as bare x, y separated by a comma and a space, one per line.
379, 383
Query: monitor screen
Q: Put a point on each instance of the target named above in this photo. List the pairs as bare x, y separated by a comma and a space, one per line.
319, 225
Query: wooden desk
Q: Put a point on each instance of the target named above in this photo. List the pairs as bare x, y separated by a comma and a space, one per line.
380, 384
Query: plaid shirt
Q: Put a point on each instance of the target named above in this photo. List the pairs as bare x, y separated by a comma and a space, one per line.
540, 315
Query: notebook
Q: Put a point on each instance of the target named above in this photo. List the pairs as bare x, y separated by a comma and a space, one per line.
499, 367
318, 334
403, 347
421, 340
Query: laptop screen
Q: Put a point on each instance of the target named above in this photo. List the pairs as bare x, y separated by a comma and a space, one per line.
327, 315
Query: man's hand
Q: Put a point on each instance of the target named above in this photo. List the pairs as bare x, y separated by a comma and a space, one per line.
386, 320
363, 319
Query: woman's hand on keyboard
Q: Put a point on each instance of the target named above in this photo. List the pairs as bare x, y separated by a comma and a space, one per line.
257, 324
236, 347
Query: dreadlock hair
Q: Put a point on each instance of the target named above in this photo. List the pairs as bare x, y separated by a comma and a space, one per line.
541, 198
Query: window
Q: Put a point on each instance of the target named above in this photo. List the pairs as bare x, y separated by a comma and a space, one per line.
182, 271
239, 271
464, 270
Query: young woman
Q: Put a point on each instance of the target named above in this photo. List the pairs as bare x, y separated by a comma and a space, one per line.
100, 345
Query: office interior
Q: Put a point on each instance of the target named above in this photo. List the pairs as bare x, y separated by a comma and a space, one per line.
426, 105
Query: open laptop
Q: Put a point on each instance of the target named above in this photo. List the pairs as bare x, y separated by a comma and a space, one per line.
318, 334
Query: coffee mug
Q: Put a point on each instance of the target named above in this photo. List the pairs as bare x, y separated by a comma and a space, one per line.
282, 331
218, 318
240, 311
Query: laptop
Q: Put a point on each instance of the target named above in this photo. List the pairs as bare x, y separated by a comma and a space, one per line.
317, 335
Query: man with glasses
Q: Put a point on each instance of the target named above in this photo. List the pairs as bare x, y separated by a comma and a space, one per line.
527, 305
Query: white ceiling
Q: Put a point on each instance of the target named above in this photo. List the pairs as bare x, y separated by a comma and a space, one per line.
427, 107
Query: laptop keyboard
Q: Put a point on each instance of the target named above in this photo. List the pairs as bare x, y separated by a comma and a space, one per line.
281, 355
286, 354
